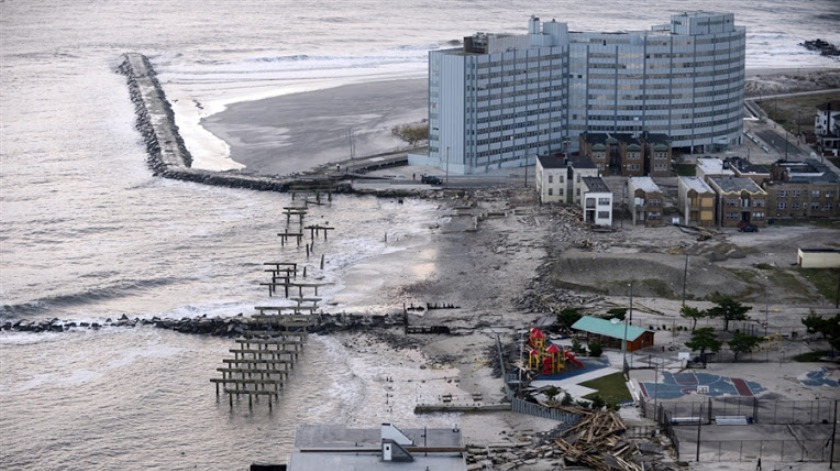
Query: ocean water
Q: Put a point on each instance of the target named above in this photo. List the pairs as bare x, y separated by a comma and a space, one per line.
86, 233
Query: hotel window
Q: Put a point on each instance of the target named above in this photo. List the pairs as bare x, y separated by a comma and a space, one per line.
550, 191
795, 193
815, 205
551, 179
794, 205
781, 205
782, 194
815, 193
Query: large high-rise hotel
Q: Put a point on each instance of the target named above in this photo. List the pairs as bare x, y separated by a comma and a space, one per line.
501, 100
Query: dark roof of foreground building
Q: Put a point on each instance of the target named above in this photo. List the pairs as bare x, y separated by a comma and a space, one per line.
552, 161
339, 447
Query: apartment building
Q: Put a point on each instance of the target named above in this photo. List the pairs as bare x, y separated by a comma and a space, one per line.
501, 99
597, 201
739, 199
628, 155
742, 167
696, 201
802, 190
647, 203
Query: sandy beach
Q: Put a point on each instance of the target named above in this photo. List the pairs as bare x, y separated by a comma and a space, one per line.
293, 133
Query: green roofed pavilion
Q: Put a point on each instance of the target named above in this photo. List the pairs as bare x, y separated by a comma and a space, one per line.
610, 333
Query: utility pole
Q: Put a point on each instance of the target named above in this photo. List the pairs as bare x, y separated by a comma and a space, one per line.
655, 383
685, 278
699, 423
624, 343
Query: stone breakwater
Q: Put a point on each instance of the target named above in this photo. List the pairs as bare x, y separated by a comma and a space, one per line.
155, 118
167, 155
219, 326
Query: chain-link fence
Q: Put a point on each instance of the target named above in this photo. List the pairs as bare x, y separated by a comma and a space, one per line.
680, 419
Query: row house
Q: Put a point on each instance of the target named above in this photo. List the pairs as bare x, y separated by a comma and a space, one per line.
597, 201
551, 178
803, 190
658, 154
696, 200
647, 201
739, 199
559, 177
628, 155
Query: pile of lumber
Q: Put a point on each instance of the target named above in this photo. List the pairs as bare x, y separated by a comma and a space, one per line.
597, 441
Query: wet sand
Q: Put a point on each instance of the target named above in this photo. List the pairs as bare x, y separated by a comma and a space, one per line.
294, 133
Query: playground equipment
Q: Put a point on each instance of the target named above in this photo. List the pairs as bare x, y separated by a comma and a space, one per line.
549, 359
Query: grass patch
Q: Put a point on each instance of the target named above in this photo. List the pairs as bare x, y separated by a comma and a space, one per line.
796, 114
824, 279
612, 388
813, 357
686, 170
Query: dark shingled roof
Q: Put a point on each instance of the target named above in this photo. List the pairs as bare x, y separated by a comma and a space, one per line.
552, 161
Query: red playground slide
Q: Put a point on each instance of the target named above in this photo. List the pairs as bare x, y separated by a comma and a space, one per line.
571, 357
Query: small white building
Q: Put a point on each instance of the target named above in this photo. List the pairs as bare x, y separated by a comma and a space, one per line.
827, 127
551, 178
597, 201
818, 258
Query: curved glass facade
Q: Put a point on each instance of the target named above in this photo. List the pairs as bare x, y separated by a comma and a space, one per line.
501, 100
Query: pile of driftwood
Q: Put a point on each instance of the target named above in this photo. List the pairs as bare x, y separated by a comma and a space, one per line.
598, 442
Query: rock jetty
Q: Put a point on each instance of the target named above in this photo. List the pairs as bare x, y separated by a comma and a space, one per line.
218, 326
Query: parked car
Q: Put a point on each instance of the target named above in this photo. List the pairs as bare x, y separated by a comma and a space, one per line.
431, 180
748, 227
